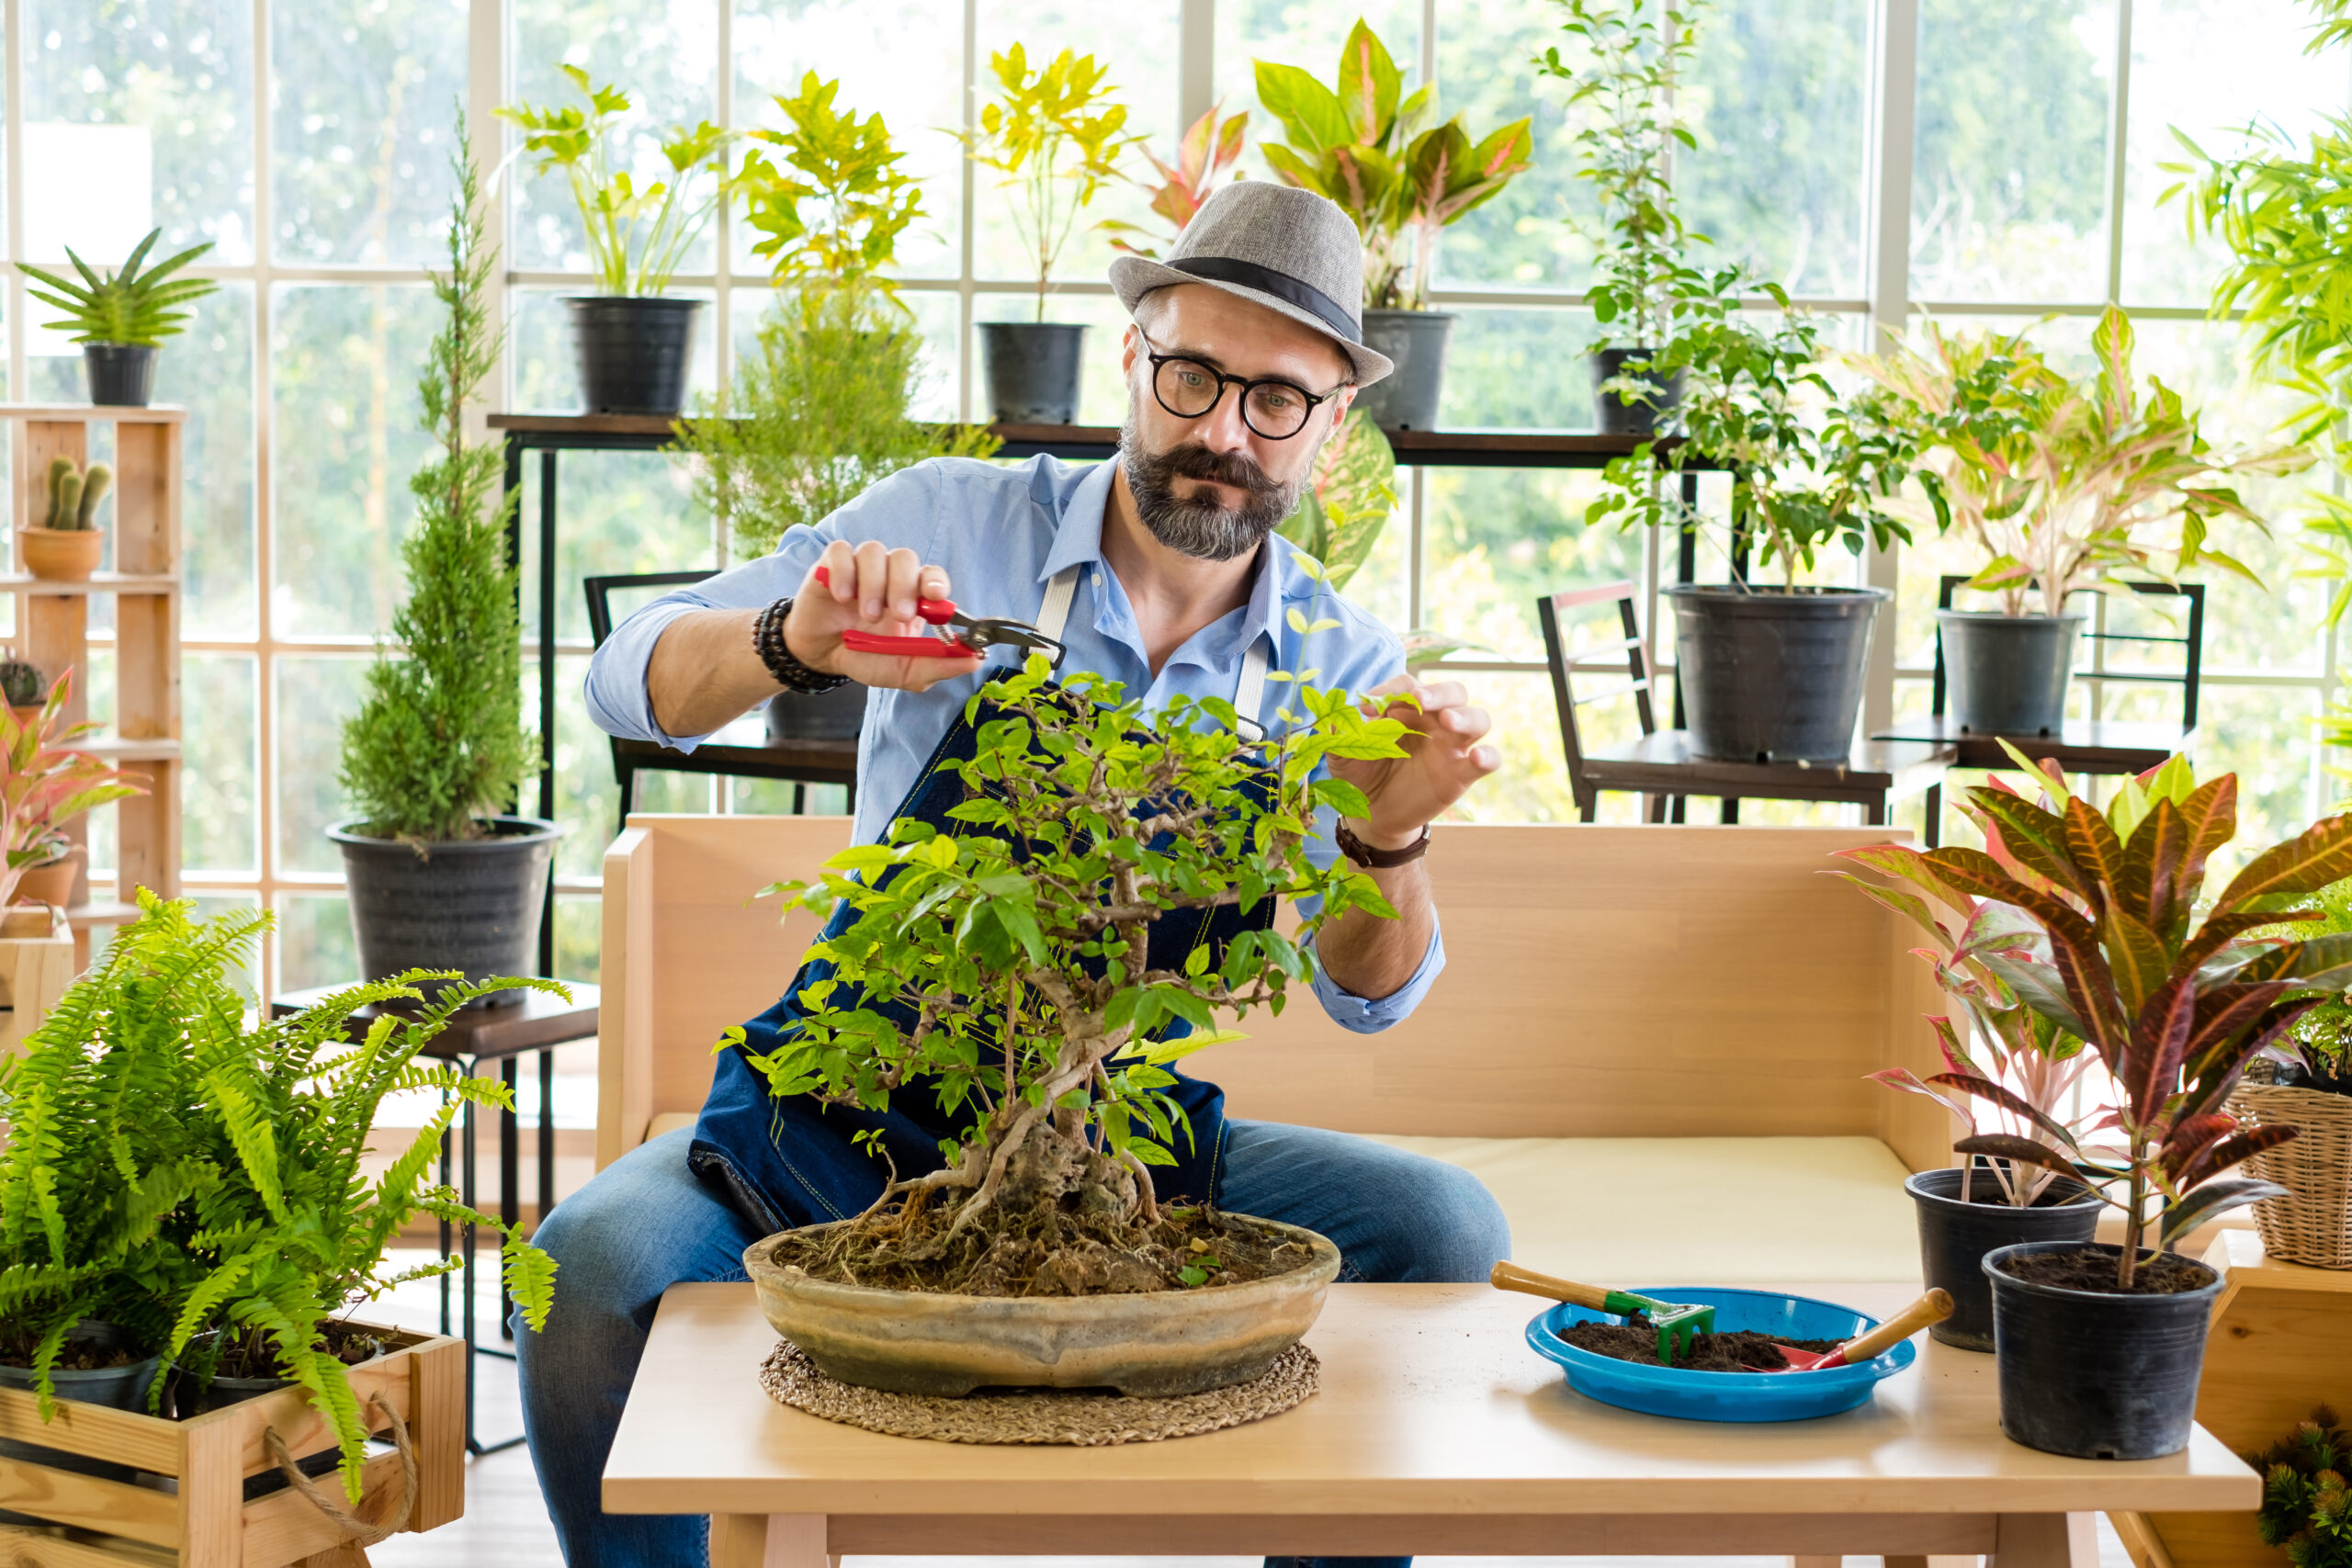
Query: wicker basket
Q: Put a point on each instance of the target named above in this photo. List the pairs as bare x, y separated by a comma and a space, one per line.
2314, 1226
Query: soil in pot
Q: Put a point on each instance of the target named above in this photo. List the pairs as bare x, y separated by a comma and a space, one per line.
1954, 1236
1636, 1340
2091, 1372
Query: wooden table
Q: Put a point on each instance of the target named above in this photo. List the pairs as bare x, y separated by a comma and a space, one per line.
740, 750
2081, 746
1879, 773
1436, 1431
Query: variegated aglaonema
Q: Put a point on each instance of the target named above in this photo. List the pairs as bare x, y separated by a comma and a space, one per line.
2175, 1006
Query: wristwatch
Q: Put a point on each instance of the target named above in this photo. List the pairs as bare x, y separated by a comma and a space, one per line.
1364, 855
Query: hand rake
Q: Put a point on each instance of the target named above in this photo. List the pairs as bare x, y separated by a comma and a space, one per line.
1675, 1322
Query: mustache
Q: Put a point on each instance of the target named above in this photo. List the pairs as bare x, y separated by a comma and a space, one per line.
1193, 461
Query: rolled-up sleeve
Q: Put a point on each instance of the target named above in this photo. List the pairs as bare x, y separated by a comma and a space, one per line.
899, 511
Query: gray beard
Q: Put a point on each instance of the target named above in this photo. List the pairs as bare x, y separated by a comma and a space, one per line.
1200, 528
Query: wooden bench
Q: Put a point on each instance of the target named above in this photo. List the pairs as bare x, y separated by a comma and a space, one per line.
1649, 1042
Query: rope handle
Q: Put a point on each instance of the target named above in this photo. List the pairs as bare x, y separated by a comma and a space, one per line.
363, 1533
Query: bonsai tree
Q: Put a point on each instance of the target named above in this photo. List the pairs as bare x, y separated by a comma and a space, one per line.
439, 742
636, 238
46, 784
1401, 176
1057, 137
1208, 147
1005, 968
2306, 1506
2173, 1005
128, 305
198, 1182
818, 411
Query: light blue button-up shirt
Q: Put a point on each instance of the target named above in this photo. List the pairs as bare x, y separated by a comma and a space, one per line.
1002, 534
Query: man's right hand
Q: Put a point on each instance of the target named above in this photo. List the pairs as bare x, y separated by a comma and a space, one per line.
869, 589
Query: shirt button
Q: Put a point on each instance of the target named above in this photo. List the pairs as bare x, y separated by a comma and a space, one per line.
1098, 580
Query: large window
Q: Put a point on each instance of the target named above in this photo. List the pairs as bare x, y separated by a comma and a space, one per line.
310, 142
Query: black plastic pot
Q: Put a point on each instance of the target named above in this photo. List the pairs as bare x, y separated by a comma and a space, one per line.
2092, 1374
1954, 1238
116, 1388
1772, 674
473, 906
837, 715
1407, 398
2006, 674
633, 350
1612, 415
1033, 370
122, 375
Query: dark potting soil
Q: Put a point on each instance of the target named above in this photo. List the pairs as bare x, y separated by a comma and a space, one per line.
1743, 1350
73, 1356
255, 1355
2167, 1274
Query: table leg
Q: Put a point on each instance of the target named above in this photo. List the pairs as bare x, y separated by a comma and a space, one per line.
465, 1241
769, 1541
2045, 1540
446, 1239
547, 1135
509, 1178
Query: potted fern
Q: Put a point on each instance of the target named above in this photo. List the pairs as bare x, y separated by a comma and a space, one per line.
1036, 971
1381, 154
634, 341
1055, 137
121, 317
441, 876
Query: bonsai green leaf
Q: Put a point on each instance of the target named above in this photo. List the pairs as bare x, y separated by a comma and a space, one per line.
2212, 1200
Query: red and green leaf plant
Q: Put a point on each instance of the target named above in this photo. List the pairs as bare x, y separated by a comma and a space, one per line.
2174, 1006
1208, 148
1004, 967
45, 783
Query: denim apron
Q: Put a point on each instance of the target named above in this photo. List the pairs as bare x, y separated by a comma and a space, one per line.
787, 1161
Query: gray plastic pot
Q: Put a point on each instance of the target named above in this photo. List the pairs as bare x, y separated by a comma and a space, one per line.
1772, 674
837, 715
116, 1388
1407, 397
2093, 1374
2006, 674
1954, 1238
1033, 370
634, 350
121, 375
473, 906
1612, 414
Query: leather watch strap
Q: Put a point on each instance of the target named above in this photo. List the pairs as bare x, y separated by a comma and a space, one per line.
1364, 855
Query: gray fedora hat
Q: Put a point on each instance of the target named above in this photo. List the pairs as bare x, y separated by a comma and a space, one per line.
1290, 250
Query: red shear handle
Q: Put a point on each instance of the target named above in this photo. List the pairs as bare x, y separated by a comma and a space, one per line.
938, 611
906, 647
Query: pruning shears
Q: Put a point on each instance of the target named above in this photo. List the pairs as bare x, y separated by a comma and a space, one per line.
967, 637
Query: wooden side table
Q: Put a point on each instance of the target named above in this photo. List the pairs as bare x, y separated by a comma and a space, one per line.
501, 1033
2083, 746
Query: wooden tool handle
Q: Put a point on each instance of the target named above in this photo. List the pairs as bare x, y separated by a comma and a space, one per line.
1931, 1308
1526, 1281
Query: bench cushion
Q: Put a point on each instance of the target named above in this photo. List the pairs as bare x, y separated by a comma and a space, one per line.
1635, 1212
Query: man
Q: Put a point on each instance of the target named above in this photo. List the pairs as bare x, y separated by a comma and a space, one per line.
1161, 571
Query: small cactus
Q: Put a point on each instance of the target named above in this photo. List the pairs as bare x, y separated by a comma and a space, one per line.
96, 479
69, 500
60, 512
22, 684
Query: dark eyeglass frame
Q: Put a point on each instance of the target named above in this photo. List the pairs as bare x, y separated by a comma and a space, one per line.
1313, 400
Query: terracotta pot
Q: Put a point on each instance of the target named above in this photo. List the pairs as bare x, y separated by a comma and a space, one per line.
1148, 1344
62, 555
50, 884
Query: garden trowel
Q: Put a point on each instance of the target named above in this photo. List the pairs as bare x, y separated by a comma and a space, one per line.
1924, 1312
1675, 1322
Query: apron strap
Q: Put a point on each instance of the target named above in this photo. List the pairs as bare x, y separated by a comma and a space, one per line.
1054, 613
1249, 694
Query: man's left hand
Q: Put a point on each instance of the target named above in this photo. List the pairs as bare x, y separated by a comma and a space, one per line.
1444, 755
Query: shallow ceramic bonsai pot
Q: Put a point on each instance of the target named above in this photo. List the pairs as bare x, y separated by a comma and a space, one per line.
1148, 1344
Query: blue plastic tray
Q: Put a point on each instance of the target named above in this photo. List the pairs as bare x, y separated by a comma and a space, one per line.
1726, 1396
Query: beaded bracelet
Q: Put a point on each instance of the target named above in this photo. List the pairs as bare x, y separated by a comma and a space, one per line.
767, 641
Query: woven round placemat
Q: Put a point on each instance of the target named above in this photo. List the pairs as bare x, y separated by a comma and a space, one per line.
1084, 1418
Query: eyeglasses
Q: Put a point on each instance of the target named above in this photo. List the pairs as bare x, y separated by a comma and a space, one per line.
1271, 407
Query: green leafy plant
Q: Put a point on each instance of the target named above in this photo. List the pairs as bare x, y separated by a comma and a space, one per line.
126, 306
1351, 492
831, 215
636, 238
438, 743
45, 783
2317, 1052
2174, 1006
1208, 147
1004, 967
2306, 1503
1380, 155
74, 493
1056, 138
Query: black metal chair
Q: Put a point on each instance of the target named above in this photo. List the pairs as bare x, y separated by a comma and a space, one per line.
741, 750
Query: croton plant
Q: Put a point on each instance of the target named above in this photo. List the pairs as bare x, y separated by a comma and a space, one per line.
2076, 928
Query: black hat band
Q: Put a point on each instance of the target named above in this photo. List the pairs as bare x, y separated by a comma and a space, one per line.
1281, 285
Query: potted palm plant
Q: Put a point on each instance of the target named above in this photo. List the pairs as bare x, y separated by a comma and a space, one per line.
1403, 177
1038, 971
819, 409
2101, 1345
122, 318
1055, 137
441, 876
634, 341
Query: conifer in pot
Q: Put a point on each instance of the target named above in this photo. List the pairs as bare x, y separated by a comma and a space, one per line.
440, 878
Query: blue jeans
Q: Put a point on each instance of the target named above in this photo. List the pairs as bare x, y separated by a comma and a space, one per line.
646, 1224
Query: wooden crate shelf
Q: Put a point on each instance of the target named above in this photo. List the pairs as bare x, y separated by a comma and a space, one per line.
52, 622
